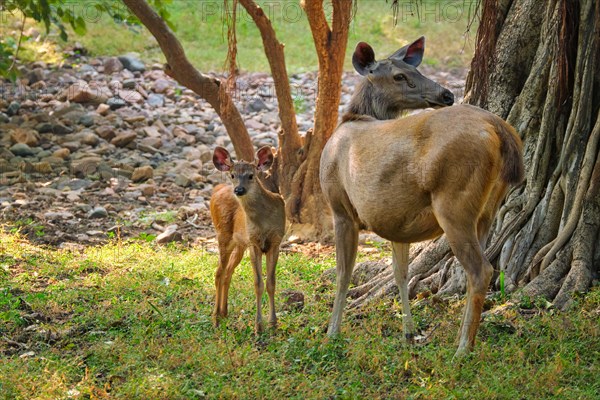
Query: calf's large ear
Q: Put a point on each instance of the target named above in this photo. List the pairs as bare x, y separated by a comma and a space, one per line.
264, 158
363, 57
222, 160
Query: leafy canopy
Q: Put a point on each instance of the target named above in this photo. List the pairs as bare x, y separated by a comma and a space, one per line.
62, 14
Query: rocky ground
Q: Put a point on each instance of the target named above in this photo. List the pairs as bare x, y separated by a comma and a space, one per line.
111, 147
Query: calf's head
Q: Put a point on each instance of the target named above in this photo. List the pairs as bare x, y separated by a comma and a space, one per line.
243, 175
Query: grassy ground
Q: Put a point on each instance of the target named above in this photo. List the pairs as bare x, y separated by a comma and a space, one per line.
202, 31
132, 320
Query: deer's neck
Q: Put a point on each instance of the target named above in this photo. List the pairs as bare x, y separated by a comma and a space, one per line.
258, 201
367, 104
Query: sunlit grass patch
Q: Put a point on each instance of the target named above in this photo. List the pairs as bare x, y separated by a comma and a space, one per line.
130, 319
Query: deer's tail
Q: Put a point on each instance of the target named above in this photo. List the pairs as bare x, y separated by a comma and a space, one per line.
511, 148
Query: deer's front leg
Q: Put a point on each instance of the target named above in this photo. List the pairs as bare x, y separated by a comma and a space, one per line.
256, 255
400, 264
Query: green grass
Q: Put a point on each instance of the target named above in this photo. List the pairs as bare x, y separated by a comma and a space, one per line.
132, 320
202, 31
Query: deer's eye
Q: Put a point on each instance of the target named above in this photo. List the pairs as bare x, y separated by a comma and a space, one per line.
250, 176
399, 77
232, 176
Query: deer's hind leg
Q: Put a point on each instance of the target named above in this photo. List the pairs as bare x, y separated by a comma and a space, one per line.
259, 287
461, 230
346, 244
272, 256
489, 213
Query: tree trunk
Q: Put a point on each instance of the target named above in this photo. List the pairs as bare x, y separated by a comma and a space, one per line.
535, 65
297, 172
307, 207
298, 160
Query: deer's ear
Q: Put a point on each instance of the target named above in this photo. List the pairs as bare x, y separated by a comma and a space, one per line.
264, 158
363, 57
222, 159
412, 53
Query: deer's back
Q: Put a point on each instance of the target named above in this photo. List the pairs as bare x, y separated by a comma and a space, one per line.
385, 173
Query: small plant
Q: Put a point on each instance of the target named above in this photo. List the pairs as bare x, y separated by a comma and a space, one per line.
299, 104
146, 237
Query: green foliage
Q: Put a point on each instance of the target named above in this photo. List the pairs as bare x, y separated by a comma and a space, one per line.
63, 15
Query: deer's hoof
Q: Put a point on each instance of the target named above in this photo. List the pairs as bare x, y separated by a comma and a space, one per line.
259, 328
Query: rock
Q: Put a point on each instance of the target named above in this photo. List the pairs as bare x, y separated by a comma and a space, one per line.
103, 109
29, 137
156, 100
36, 75
4, 118
129, 84
147, 190
254, 124
86, 120
22, 150
55, 215
115, 103
56, 128
62, 153
72, 145
13, 108
98, 212
131, 96
256, 105
89, 138
154, 142
85, 166
169, 235
43, 167
292, 300
161, 85
132, 63
112, 65
82, 92
124, 138
142, 174
106, 132
73, 184
152, 131
183, 181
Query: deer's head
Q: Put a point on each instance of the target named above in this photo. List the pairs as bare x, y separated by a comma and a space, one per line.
243, 175
395, 84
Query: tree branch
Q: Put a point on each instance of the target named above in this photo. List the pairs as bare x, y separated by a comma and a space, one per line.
318, 26
179, 68
290, 142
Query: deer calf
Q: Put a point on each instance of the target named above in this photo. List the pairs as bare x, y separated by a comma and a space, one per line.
246, 214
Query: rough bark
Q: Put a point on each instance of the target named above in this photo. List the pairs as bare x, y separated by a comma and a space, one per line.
536, 66
179, 68
298, 159
290, 142
307, 206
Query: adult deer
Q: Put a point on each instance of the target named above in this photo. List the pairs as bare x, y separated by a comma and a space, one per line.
414, 178
246, 215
